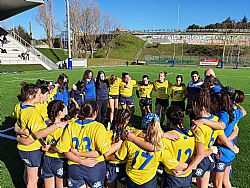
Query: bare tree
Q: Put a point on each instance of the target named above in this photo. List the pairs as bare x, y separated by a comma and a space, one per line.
46, 19
109, 26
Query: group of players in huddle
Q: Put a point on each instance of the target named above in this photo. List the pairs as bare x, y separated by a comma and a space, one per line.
63, 141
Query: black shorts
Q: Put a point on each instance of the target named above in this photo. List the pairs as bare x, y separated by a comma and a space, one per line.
32, 158
162, 102
113, 96
150, 184
145, 102
170, 181
81, 175
180, 104
207, 164
53, 167
116, 172
221, 166
126, 100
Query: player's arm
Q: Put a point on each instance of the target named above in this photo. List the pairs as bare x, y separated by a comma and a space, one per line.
44, 132
89, 154
234, 134
24, 140
228, 143
114, 147
217, 125
19, 130
147, 146
242, 109
137, 93
89, 162
74, 101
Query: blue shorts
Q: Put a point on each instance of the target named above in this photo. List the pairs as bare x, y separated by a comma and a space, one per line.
170, 181
53, 167
113, 96
32, 158
126, 100
151, 184
145, 102
116, 172
80, 175
162, 102
221, 166
207, 164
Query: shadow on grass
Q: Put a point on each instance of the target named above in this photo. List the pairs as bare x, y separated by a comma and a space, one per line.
10, 157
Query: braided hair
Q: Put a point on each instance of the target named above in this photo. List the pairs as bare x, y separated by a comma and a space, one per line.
176, 117
122, 117
54, 107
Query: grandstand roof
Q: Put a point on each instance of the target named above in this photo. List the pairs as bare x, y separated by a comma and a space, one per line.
10, 8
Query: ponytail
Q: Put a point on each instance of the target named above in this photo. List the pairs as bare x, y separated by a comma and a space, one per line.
27, 90
54, 107
176, 117
88, 109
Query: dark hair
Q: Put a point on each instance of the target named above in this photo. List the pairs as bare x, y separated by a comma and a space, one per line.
224, 103
144, 76
163, 72
61, 83
201, 101
176, 117
42, 82
210, 81
27, 90
98, 78
86, 74
179, 76
80, 85
113, 78
44, 89
124, 74
73, 111
121, 118
194, 72
88, 109
54, 107
237, 96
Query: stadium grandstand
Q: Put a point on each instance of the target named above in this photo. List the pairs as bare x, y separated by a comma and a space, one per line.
14, 49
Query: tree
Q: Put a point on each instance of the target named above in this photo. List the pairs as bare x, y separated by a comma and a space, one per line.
23, 34
45, 18
194, 26
109, 26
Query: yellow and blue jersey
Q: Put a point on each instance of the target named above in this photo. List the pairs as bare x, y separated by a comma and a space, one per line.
85, 135
178, 93
51, 140
182, 150
52, 94
146, 90
206, 135
42, 109
161, 89
16, 113
32, 120
114, 87
141, 165
127, 91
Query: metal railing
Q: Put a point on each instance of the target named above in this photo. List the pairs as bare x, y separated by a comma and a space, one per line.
34, 51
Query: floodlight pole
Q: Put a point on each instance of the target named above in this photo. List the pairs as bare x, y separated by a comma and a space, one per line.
68, 28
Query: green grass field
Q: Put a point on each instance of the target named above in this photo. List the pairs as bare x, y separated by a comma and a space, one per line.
11, 167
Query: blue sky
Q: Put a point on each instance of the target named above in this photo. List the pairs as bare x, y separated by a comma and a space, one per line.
149, 14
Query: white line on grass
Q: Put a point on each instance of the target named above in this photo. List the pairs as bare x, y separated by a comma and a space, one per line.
7, 136
5, 130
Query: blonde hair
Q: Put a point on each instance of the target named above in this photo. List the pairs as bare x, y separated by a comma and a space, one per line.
155, 134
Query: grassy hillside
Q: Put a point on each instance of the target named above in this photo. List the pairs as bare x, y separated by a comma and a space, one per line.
125, 47
20, 68
54, 54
